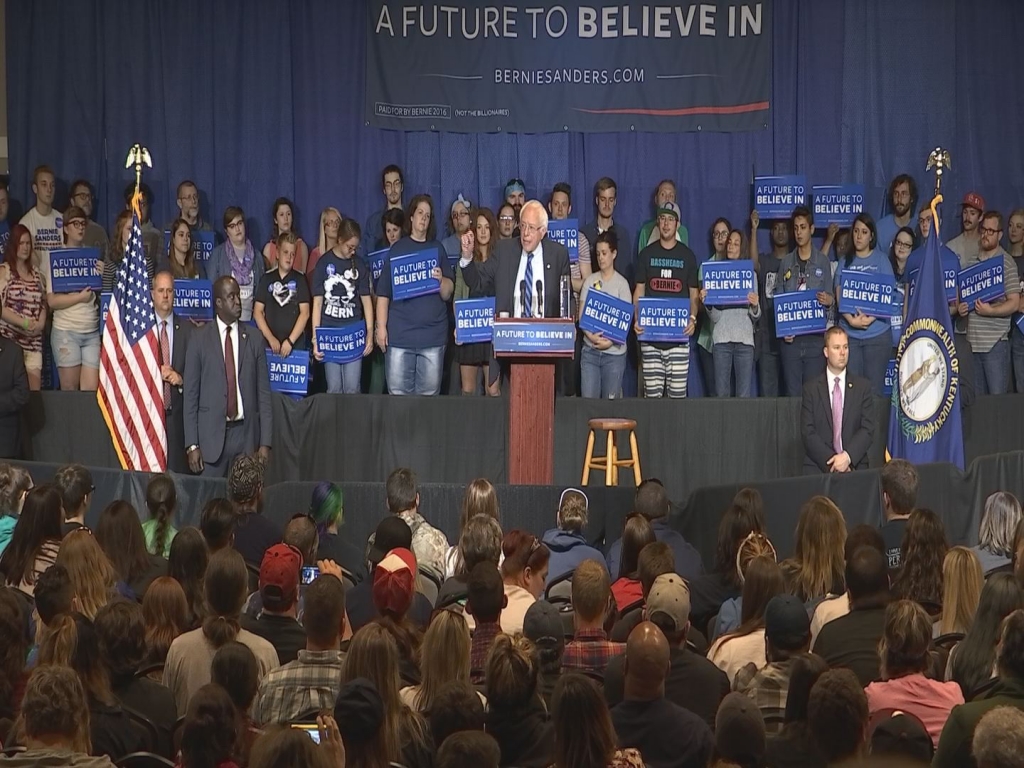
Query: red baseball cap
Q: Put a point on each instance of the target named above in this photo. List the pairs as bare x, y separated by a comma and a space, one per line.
974, 200
394, 582
279, 576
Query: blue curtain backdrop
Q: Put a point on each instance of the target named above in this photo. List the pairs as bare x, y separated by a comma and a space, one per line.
259, 98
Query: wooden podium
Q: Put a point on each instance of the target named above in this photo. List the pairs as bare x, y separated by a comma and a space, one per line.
532, 346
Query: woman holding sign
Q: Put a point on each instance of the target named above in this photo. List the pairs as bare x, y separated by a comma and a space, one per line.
870, 337
236, 257
732, 333
75, 337
602, 362
181, 263
341, 300
281, 307
284, 217
474, 357
412, 310
22, 294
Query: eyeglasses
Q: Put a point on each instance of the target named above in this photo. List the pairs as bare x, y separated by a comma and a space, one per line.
236, 225
720, 235
86, 195
989, 231
392, 186
80, 223
903, 244
193, 198
529, 228
506, 218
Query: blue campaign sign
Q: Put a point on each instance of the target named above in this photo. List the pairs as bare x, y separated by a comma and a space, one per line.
343, 344
775, 197
550, 337
474, 319
104, 309
605, 314
193, 299
981, 282
727, 282
566, 232
663, 319
72, 269
896, 321
289, 375
890, 378
869, 293
203, 243
798, 313
837, 204
410, 275
377, 259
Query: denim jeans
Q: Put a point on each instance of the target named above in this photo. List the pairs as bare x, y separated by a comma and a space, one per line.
1017, 353
992, 369
733, 356
414, 371
601, 374
802, 359
344, 378
870, 357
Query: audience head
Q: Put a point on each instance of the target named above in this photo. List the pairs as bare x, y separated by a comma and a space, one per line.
479, 542
187, 564
165, 612
974, 657
655, 559
542, 626
480, 498
74, 483
394, 583
13, 649
998, 740
651, 500
217, 524
235, 669
119, 534
738, 522
668, 607
591, 593
54, 709
999, 523
359, 712
279, 578
899, 488
787, 629
740, 736
211, 728
867, 579
837, 713
323, 615
820, 536
923, 549
578, 700
900, 735
161, 501
54, 594
245, 481
40, 521
647, 662
15, 483
392, 533
444, 656
804, 672
392, 225
962, 580
420, 221
402, 492
90, 571
226, 584
280, 746
474, 748
763, 581
755, 545
636, 534
122, 633
485, 593
862, 535
301, 533
456, 707
526, 561
72, 641
511, 674
573, 511
906, 640
327, 506
1010, 658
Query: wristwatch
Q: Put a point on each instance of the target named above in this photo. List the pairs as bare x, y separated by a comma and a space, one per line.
192, 448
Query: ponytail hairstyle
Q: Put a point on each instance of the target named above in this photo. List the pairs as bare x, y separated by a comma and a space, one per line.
226, 583
72, 641
161, 500
211, 728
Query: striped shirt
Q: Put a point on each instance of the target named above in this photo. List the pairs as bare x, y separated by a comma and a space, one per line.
45, 557
984, 332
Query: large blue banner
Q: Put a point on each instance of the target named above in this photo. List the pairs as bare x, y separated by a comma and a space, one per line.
798, 313
193, 299
289, 375
410, 275
474, 319
727, 282
775, 197
344, 344
981, 282
837, 204
566, 232
868, 293
534, 337
605, 314
663, 319
575, 66
72, 269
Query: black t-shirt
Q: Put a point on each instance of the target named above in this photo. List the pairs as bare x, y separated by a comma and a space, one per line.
254, 535
155, 701
766, 276
70, 526
157, 568
281, 297
667, 735
667, 274
361, 610
283, 632
112, 732
347, 555
340, 283
892, 535
851, 641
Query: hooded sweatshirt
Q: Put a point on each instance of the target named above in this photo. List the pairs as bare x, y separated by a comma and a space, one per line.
568, 550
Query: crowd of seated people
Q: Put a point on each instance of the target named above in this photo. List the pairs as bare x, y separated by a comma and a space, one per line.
222, 654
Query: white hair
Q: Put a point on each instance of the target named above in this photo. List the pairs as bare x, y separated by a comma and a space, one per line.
538, 207
999, 523
999, 738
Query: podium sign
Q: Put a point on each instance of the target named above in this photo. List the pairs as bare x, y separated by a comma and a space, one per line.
515, 337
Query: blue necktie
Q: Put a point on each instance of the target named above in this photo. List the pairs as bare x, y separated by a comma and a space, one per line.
528, 296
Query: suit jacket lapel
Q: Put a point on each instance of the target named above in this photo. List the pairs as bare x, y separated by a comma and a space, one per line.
846, 400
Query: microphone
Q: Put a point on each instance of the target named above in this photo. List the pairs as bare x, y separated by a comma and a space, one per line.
522, 298
540, 300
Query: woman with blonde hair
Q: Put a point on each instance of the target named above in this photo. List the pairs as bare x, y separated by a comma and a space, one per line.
962, 581
330, 221
91, 573
516, 715
818, 565
995, 537
480, 498
444, 658
403, 738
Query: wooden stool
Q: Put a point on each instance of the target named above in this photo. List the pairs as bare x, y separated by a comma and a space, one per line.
611, 462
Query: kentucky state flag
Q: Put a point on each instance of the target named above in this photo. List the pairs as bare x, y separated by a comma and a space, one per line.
924, 419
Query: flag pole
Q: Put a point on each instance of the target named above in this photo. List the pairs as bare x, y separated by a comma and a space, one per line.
139, 155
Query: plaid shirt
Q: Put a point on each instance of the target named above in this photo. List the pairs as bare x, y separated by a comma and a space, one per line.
590, 651
480, 646
310, 683
769, 688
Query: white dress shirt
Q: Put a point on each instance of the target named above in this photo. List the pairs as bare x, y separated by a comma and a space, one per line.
537, 308
236, 348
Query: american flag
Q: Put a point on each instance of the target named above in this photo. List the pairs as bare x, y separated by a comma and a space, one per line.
131, 387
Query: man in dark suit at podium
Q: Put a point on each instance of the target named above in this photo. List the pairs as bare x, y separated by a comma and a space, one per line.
523, 275
838, 415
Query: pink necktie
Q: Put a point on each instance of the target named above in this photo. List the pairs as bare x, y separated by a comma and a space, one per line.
837, 417
165, 359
